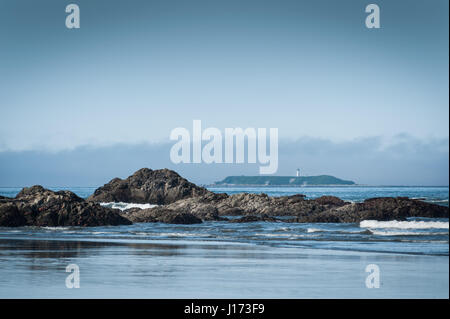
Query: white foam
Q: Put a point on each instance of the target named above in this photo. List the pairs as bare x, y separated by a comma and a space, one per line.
403, 224
56, 227
404, 233
283, 229
313, 230
280, 235
123, 206
180, 235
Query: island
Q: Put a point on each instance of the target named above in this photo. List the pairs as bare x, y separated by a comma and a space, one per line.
283, 181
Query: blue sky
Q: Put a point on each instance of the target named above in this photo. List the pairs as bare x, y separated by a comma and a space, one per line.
137, 69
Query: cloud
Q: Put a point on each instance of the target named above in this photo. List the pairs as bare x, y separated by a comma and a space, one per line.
401, 160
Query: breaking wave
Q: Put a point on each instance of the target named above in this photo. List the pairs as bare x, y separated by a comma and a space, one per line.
404, 233
403, 224
314, 230
124, 206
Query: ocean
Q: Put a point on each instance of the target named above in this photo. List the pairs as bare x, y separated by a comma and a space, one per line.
234, 260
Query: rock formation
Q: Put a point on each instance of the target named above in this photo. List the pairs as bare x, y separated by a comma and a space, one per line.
182, 202
326, 209
148, 186
37, 206
161, 215
382, 208
211, 205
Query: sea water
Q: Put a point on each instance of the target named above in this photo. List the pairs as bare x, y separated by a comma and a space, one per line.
234, 260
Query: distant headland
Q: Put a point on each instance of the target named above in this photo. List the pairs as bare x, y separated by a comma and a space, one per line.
283, 180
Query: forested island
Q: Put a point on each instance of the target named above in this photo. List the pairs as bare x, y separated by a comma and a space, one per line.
283, 180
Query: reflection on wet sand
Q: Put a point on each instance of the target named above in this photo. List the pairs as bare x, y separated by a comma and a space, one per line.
222, 260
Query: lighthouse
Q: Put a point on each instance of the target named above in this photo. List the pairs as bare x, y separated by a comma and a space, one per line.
298, 172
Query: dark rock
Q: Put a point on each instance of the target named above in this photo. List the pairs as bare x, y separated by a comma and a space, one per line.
180, 218
252, 218
162, 215
330, 200
251, 204
131, 210
148, 186
232, 211
322, 217
37, 206
384, 208
10, 216
207, 212
326, 209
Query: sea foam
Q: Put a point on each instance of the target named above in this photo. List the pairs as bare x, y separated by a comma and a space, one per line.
124, 206
403, 224
404, 233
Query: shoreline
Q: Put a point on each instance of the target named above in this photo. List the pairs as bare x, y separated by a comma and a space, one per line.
237, 271
414, 237
185, 242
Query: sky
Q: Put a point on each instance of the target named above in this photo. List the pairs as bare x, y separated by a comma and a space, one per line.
370, 105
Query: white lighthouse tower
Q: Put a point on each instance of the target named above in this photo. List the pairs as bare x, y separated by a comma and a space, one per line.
298, 172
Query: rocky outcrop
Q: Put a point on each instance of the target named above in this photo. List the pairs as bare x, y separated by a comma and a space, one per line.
148, 186
161, 215
37, 206
262, 204
10, 216
211, 205
382, 208
182, 202
206, 211
326, 209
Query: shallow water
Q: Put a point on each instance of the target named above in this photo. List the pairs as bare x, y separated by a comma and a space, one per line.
419, 236
196, 269
232, 260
